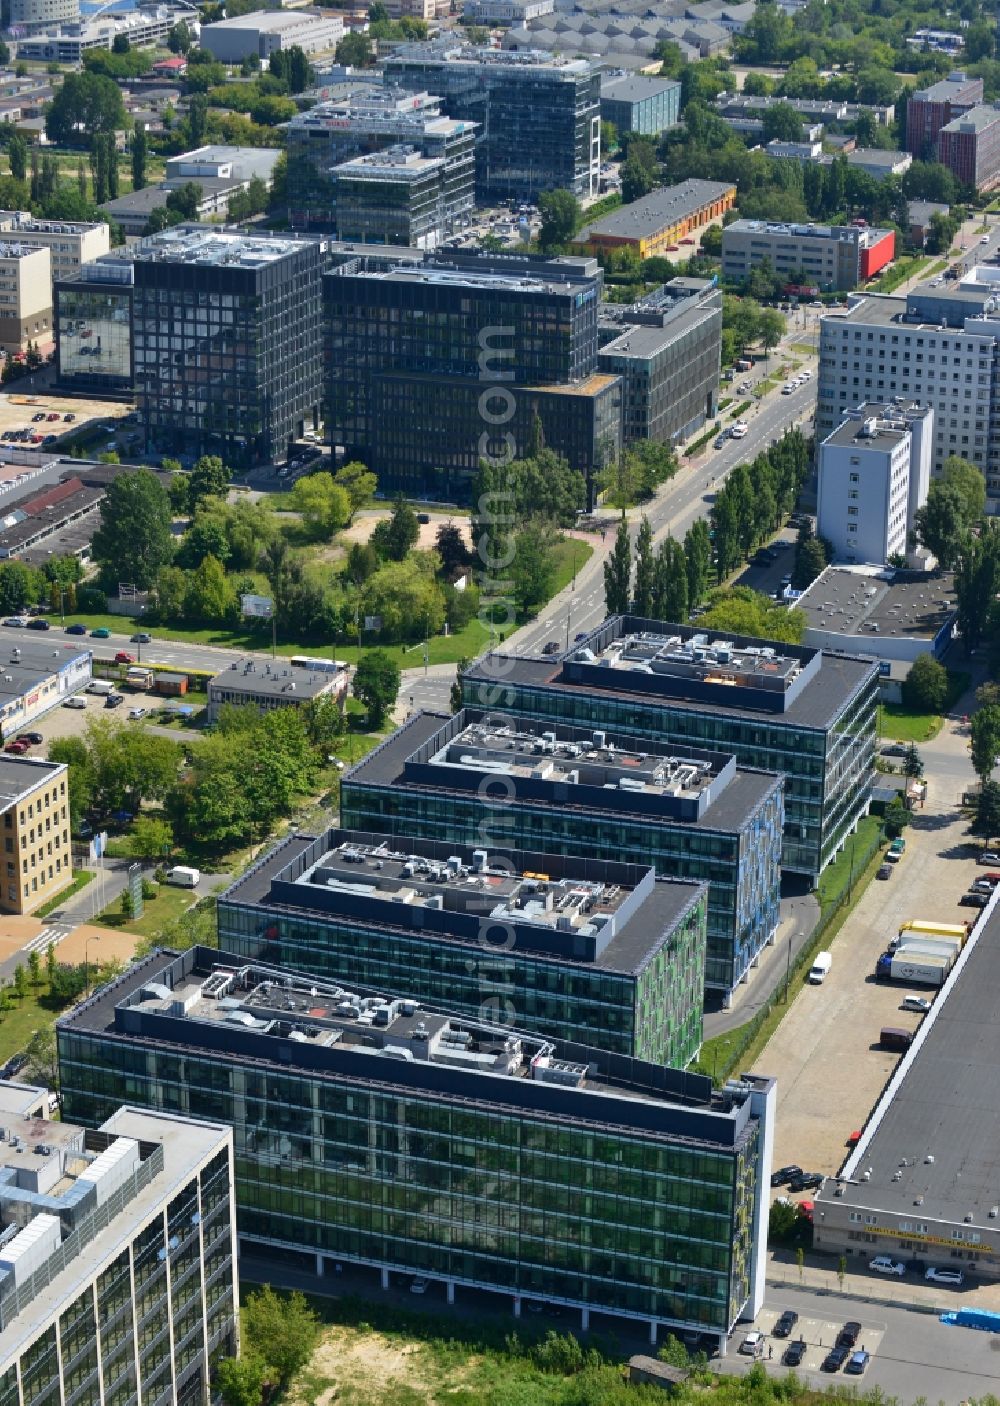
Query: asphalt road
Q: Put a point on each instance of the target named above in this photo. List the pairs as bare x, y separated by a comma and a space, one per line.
179, 654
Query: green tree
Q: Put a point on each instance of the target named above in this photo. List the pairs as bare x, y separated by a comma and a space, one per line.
241, 1380
618, 573
376, 684
959, 474
17, 154
324, 506
86, 102
35, 969
645, 568
941, 524
358, 482
395, 537
451, 549
50, 962
20, 585
912, 765
925, 688
533, 568
985, 731
782, 123
987, 819
42, 1066
133, 540
179, 39
772, 329
407, 597
151, 838
20, 982
811, 558
355, 51
210, 595
560, 212
782, 1223
73, 751
210, 478
670, 591
896, 818
742, 611
698, 557
640, 170
283, 1329
977, 583
140, 153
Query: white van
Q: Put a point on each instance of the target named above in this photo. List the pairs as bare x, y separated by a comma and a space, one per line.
183, 877
819, 968
101, 686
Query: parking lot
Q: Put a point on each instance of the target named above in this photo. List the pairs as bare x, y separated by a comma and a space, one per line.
18, 409
819, 1333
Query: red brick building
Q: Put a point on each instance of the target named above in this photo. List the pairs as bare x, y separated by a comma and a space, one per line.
930, 109
970, 147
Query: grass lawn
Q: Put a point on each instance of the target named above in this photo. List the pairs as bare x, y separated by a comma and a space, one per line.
905, 268
571, 555
902, 724
19, 1023
79, 881
836, 875
169, 903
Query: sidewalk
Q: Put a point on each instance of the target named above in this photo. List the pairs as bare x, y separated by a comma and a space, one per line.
819, 1275
800, 914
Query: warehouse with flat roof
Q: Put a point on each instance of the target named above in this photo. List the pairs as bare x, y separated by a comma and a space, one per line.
661, 219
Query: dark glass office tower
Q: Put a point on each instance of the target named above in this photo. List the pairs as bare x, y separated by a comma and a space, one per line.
227, 342
539, 116
430, 367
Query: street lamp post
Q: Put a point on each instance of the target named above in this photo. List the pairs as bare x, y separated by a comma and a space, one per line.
94, 937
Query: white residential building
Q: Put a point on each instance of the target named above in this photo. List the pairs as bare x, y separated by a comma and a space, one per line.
69, 243
25, 296
874, 472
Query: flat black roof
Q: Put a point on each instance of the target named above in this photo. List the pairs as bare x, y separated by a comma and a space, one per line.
385, 766
943, 1102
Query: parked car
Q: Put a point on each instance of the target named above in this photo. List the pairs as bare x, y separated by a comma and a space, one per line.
857, 1362
40, 415
54, 415
934, 1275
785, 1174
915, 1003
76, 629
33, 739
990, 857
122, 656
114, 700
894, 749
68, 418
794, 1353
973, 900
75, 702
101, 633
885, 1264
885, 871
135, 714
785, 1324
39, 624
419, 1285
834, 1359
18, 622
141, 637
752, 1345
807, 1181
981, 886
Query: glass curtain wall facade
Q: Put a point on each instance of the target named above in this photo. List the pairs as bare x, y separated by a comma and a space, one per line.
228, 358
381, 204
93, 323
653, 1014
741, 867
828, 772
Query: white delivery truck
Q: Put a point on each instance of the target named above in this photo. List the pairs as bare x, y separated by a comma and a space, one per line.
101, 686
820, 967
183, 876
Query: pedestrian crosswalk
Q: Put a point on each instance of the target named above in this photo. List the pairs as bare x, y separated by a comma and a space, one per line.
51, 935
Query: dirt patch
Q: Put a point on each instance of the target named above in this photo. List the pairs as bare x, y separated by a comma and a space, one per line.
369, 1367
363, 527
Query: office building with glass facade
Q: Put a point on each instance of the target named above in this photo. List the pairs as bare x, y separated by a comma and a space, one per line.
487, 779
92, 318
538, 116
429, 368
226, 342
804, 713
364, 121
376, 1130
118, 1279
586, 950
396, 196
667, 349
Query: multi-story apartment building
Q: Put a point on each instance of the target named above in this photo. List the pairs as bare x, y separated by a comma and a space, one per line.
667, 350
30, 16
70, 244
587, 950
430, 368
969, 146
118, 1277
25, 295
226, 342
874, 471
799, 712
636, 104
689, 814
366, 120
830, 257
34, 805
394, 196
538, 116
443, 1147
930, 109
938, 345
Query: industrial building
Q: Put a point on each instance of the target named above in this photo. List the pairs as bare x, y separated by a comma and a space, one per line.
640, 106
807, 715
367, 119
459, 1151
969, 146
652, 224
667, 349
237, 163
118, 1273
890, 615
267, 32
828, 257
920, 1183
873, 474
411, 356
930, 109
690, 814
248, 682
505, 12
538, 117
922, 345
37, 677
592, 951
226, 342
37, 515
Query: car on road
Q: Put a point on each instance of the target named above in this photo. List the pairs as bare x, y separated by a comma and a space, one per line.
752, 1345
783, 1327
934, 1275
580, 635
122, 656
885, 871
834, 1359
785, 1174
141, 637
885, 1264
985, 239
788, 389
75, 702
419, 1285
740, 429
857, 1362
915, 1003
76, 629
807, 1181
18, 622
135, 714
794, 1353
101, 633
33, 739
988, 857
38, 624
721, 439
973, 900
551, 648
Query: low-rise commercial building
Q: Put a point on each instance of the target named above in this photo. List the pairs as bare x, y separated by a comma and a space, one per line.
877, 163
661, 219
873, 475
224, 163
35, 678
919, 214
639, 105
439, 1146
691, 815
890, 615
807, 715
930, 109
38, 514
588, 950
917, 1186
969, 146
667, 349
118, 1267
267, 32
25, 296
288, 684
34, 804
830, 257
